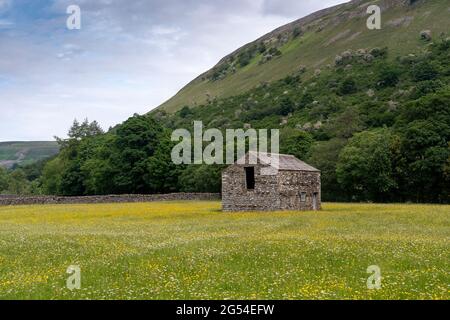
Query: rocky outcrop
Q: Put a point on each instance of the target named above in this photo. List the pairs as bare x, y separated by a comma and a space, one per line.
426, 35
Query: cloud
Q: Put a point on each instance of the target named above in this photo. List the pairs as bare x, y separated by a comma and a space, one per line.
129, 56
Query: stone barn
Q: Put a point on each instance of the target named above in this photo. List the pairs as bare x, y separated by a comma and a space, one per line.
290, 184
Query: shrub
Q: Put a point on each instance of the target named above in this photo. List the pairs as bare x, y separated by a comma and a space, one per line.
388, 77
185, 111
424, 71
348, 86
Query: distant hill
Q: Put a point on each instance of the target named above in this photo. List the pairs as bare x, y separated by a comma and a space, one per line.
23, 153
313, 42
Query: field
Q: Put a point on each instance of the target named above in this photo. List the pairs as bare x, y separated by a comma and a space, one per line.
191, 250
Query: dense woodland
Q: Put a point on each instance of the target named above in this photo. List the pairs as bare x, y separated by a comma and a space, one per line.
377, 128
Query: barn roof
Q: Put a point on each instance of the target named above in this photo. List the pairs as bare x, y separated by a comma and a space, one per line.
286, 162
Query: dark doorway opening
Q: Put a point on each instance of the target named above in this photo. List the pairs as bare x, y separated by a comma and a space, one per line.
250, 178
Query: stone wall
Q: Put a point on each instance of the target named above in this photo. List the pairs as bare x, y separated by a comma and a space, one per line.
17, 200
236, 197
272, 192
293, 183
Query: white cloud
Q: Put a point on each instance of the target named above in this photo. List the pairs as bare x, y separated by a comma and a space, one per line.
129, 56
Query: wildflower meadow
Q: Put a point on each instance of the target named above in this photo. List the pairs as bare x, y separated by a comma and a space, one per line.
191, 250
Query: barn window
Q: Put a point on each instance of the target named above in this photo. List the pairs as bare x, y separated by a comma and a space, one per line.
303, 196
250, 178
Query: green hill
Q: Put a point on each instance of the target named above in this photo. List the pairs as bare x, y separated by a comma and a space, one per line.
370, 109
313, 42
23, 153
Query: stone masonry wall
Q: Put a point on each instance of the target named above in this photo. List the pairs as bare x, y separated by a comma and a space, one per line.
17, 200
271, 193
293, 183
236, 197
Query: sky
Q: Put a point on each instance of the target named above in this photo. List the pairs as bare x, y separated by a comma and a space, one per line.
129, 56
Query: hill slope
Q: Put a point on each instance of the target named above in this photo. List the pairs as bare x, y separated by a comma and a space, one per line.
375, 121
313, 42
15, 153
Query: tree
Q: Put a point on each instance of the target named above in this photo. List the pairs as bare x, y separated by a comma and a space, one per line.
424, 128
364, 168
325, 156
18, 183
306, 99
3, 180
388, 76
297, 32
434, 106
185, 111
98, 168
244, 58
296, 142
162, 174
51, 176
34, 170
72, 179
426, 151
424, 71
262, 47
446, 187
286, 106
348, 86
344, 125
63, 175
201, 178
78, 131
136, 141
85, 129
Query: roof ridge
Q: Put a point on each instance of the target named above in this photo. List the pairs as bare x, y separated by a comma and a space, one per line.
285, 161
274, 153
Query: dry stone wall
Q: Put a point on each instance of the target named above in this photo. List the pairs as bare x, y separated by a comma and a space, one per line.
15, 200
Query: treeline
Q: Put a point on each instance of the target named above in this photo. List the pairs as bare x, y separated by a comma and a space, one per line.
134, 158
377, 128
18, 182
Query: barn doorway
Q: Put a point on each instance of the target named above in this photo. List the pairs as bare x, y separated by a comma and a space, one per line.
250, 178
315, 197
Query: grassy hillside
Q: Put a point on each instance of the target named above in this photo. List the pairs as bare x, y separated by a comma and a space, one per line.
374, 119
313, 42
190, 250
23, 153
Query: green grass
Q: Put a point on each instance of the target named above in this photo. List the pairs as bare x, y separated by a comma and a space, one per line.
191, 250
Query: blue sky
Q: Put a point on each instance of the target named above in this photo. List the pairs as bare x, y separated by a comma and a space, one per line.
128, 57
